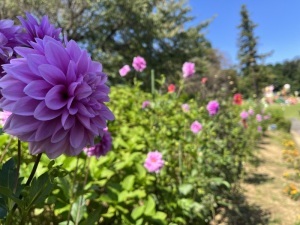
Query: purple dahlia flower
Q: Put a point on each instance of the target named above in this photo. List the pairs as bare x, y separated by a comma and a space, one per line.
56, 95
102, 147
34, 29
8, 40
212, 107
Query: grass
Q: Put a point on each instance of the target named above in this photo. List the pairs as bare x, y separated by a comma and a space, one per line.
289, 111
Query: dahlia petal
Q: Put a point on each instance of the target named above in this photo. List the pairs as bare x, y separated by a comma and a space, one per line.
95, 66
14, 91
67, 120
20, 71
57, 55
54, 98
73, 50
43, 113
7, 104
34, 61
35, 148
37, 89
59, 135
72, 88
83, 91
55, 150
7, 81
24, 51
83, 63
17, 125
52, 74
71, 73
106, 113
82, 109
25, 106
45, 130
85, 121
77, 135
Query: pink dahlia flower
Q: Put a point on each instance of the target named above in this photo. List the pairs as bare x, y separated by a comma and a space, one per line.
258, 117
212, 107
102, 148
139, 63
146, 104
188, 69
196, 127
251, 112
244, 115
185, 107
34, 29
154, 162
124, 70
9, 34
259, 129
56, 94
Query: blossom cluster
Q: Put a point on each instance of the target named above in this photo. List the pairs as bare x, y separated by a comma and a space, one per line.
54, 91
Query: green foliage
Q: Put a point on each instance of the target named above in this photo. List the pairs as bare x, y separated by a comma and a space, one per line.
114, 31
254, 76
199, 171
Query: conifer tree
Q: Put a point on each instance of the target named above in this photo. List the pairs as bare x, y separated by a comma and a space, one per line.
248, 54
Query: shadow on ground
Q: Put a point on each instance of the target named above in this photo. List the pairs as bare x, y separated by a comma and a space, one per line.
241, 213
258, 178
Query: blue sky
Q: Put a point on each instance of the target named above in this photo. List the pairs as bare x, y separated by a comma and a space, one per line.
278, 25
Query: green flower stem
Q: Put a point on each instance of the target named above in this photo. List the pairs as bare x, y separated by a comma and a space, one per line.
18, 165
36, 163
73, 190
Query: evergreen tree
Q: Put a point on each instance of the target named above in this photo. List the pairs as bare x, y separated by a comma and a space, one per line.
248, 54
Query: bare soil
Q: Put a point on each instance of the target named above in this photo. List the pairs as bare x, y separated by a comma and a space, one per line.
260, 199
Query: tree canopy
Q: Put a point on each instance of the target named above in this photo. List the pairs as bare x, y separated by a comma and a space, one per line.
114, 31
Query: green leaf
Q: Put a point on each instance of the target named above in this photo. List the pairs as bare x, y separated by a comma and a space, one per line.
137, 212
39, 190
150, 206
78, 209
92, 218
128, 182
185, 188
9, 193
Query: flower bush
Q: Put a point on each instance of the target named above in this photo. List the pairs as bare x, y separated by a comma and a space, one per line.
59, 104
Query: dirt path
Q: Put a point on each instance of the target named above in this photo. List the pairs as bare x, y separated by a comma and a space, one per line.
260, 199
265, 183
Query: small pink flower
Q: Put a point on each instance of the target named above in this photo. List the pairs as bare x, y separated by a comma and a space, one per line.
145, 104
3, 117
204, 80
124, 70
196, 127
171, 88
212, 107
266, 117
154, 162
139, 63
188, 69
258, 117
251, 112
244, 115
259, 129
185, 107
